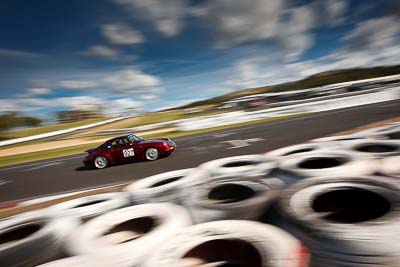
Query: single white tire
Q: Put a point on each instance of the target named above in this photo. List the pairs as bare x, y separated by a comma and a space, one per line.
130, 234
332, 140
372, 148
89, 207
85, 261
240, 243
393, 134
327, 163
351, 219
295, 149
380, 130
164, 187
240, 165
32, 240
229, 199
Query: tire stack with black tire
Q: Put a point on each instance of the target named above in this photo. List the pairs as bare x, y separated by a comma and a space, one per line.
336, 198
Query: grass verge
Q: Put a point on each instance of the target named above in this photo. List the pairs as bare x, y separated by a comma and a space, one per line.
60, 152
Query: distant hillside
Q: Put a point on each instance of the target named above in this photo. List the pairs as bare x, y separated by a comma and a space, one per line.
316, 80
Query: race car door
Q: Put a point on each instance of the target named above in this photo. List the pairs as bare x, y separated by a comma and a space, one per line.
121, 152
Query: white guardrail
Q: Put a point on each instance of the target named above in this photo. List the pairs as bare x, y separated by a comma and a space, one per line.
60, 132
324, 105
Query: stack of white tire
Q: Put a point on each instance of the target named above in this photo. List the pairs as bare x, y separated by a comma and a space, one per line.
335, 201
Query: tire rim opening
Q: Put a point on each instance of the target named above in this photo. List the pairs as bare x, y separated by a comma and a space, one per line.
94, 202
9, 237
395, 135
321, 163
230, 193
166, 181
376, 148
227, 253
129, 230
240, 163
351, 205
348, 138
301, 150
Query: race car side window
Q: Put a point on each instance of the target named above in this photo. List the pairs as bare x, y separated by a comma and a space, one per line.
106, 146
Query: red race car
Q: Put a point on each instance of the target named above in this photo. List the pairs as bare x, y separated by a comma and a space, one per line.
128, 148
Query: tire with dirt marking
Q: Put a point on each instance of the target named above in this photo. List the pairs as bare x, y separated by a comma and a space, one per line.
29, 240
229, 199
239, 165
164, 187
89, 207
326, 163
129, 235
351, 220
231, 243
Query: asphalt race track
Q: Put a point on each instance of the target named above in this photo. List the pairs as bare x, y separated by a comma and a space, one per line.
66, 174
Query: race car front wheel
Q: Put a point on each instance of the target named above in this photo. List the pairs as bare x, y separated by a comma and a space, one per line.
100, 162
152, 154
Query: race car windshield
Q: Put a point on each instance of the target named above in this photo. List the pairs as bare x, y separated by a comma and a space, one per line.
135, 138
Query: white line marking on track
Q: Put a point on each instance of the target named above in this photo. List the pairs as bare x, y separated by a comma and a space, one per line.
3, 182
40, 163
44, 166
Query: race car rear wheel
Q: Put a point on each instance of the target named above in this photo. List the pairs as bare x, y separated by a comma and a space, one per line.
100, 162
152, 154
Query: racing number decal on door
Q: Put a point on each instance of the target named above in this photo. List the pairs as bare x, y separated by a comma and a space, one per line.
128, 152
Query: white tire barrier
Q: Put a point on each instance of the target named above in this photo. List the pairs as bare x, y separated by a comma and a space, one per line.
164, 187
239, 165
231, 243
351, 220
33, 239
229, 199
130, 234
328, 163
89, 207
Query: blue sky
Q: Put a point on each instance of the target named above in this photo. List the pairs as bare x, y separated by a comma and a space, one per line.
154, 54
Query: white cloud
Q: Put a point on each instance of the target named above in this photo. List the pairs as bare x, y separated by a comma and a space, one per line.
38, 91
77, 84
149, 97
78, 102
32, 104
295, 31
235, 22
131, 80
122, 105
12, 53
103, 51
374, 34
166, 17
122, 34
335, 11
